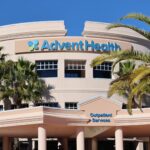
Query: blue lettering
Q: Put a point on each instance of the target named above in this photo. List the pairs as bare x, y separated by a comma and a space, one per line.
54, 45
87, 45
68, 45
45, 45
117, 47
91, 114
81, 45
97, 47
111, 46
75, 44
61, 46
104, 47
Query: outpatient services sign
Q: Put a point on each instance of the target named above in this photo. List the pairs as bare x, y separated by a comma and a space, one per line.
101, 117
69, 44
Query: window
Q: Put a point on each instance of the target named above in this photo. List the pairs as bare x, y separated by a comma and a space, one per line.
47, 68
50, 104
75, 69
103, 70
1, 107
71, 105
24, 105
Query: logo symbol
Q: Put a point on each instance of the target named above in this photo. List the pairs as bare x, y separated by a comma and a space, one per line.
33, 45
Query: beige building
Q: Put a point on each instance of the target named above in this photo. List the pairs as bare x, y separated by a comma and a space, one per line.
80, 116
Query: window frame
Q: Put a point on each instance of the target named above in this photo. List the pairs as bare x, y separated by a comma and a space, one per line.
73, 107
104, 67
76, 66
48, 65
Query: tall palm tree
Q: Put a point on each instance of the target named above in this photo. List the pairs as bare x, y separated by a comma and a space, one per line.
20, 82
133, 83
4, 88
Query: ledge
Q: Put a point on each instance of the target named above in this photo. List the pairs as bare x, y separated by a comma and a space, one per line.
137, 118
32, 29
41, 115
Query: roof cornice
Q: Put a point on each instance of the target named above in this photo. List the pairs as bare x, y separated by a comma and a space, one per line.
33, 34
114, 36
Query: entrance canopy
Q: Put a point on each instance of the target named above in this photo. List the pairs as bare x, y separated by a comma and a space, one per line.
99, 117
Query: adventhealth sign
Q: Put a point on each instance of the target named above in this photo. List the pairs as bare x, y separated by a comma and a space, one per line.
74, 46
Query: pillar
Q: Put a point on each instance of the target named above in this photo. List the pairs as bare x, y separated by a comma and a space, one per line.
119, 139
140, 146
80, 139
41, 138
65, 144
94, 144
33, 144
5, 143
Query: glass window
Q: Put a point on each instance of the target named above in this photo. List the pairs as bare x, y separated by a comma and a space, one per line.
48, 104
24, 105
47, 68
71, 105
1, 107
103, 70
75, 69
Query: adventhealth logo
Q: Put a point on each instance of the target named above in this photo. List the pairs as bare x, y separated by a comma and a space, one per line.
33, 45
74, 46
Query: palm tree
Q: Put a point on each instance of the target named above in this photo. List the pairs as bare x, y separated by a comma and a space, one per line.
5, 78
37, 89
22, 72
4, 88
132, 82
27, 86
19, 82
121, 85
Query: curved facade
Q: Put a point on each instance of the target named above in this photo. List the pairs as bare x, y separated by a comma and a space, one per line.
69, 51
64, 63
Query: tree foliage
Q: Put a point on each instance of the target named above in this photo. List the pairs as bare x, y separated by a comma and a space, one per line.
133, 82
19, 82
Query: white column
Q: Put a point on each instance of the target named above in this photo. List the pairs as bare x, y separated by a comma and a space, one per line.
41, 138
94, 144
119, 139
140, 146
5, 143
65, 144
33, 144
80, 139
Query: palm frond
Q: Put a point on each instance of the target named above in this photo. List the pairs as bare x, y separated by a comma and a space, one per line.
106, 57
144, 33
141, 88
121, 87
137, 16
139, 74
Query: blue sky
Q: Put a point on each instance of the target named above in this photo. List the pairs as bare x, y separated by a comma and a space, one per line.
73, 12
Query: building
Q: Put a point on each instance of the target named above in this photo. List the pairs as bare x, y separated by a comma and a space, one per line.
80, 116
